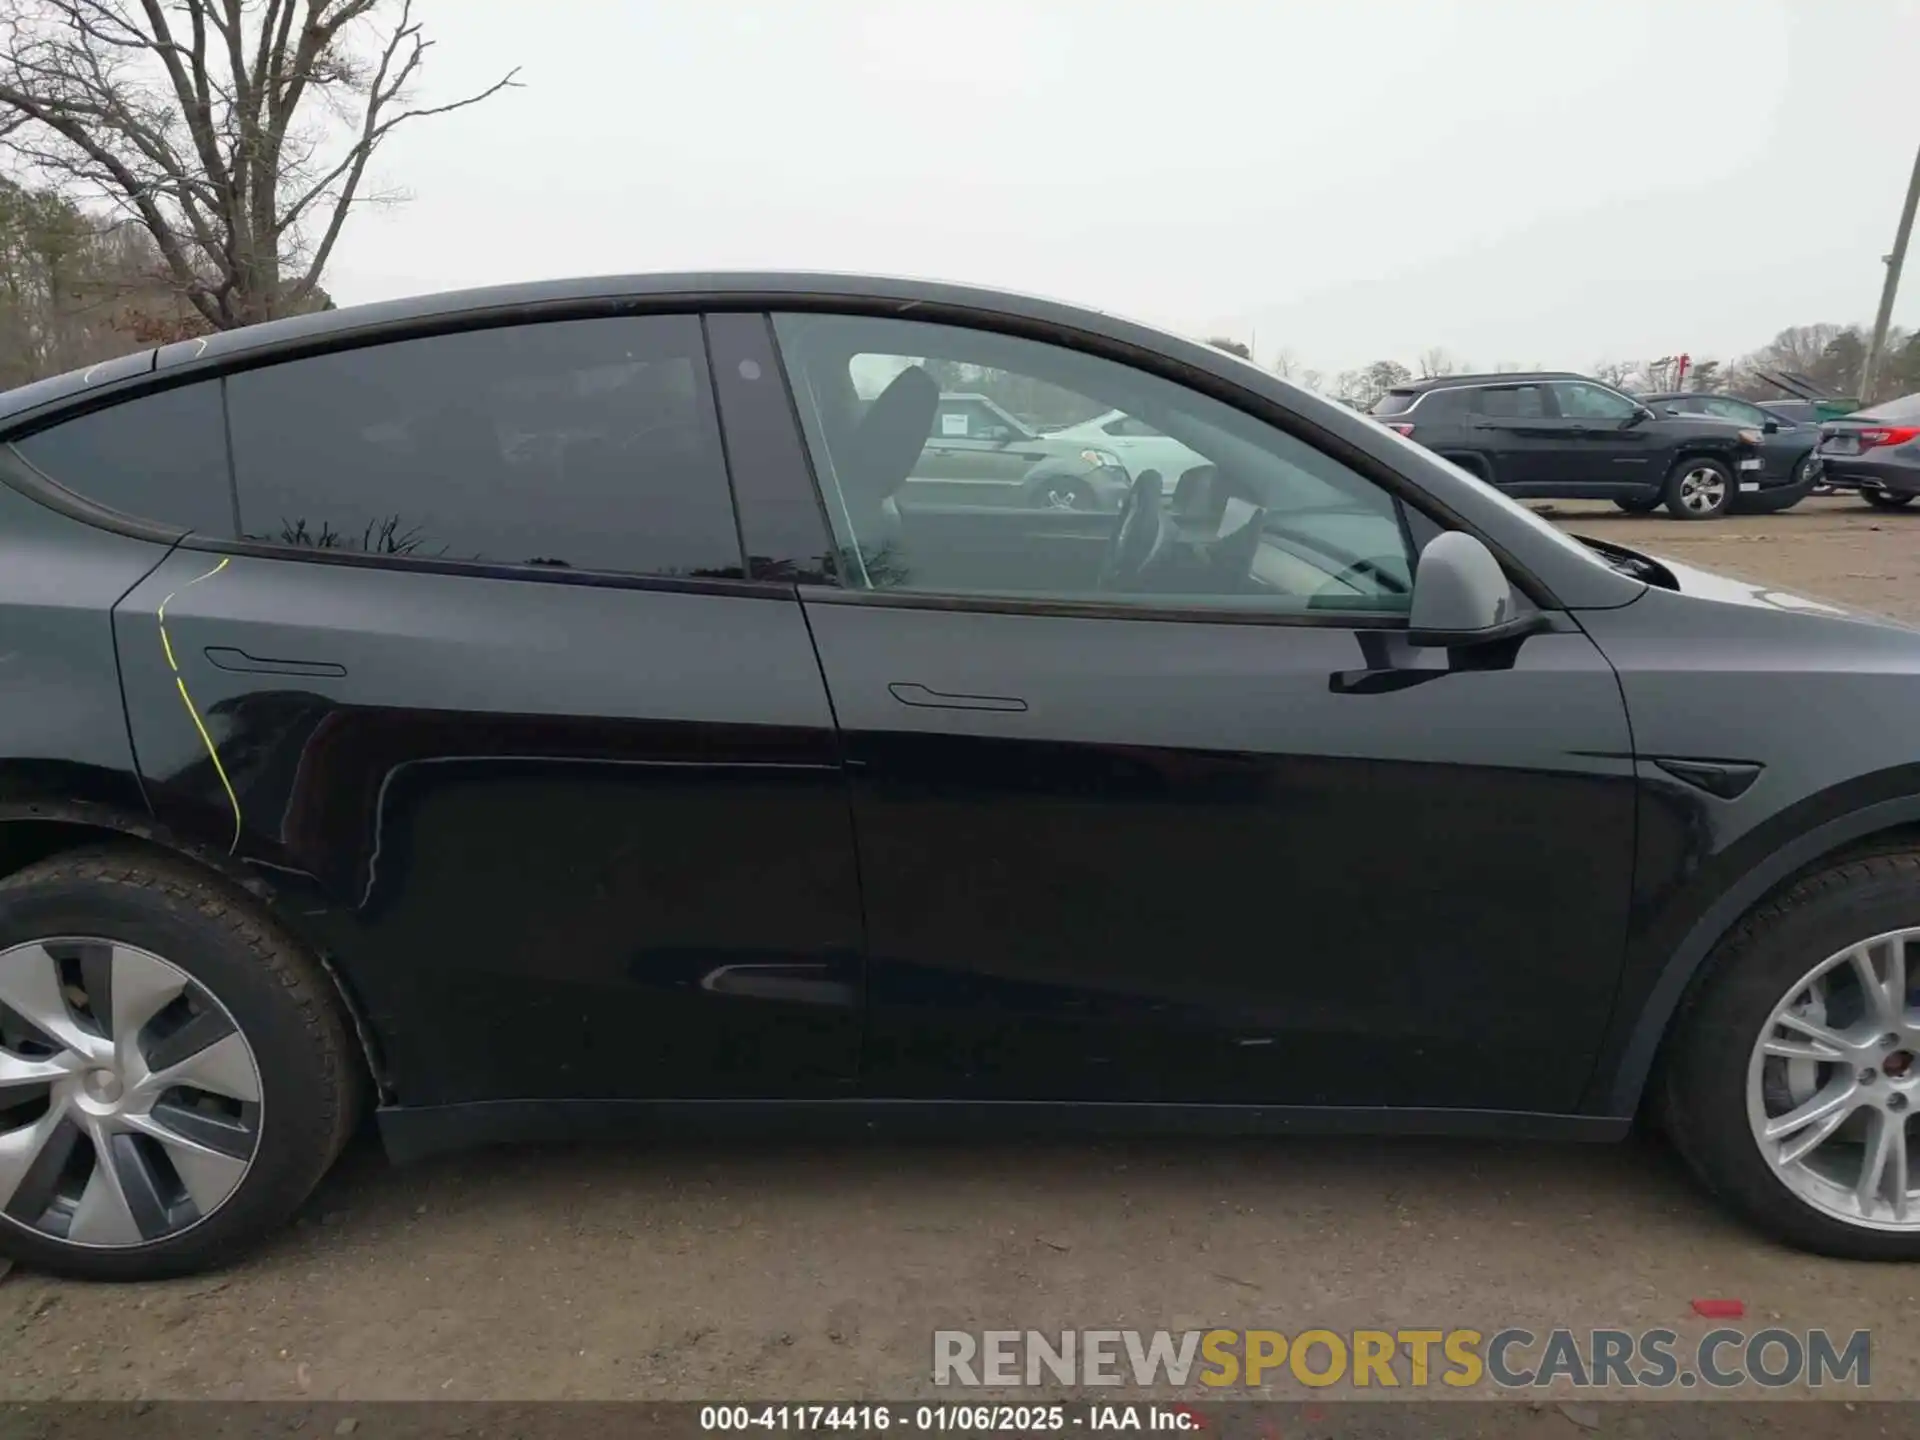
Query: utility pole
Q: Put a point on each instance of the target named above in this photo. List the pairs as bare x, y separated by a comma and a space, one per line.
1870, 371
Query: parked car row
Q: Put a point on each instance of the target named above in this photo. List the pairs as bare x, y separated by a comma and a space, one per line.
1536, 435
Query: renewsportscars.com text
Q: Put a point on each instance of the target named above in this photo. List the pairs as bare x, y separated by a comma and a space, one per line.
1513, 1358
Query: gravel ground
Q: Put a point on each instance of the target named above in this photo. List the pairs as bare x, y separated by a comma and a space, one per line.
739, 1270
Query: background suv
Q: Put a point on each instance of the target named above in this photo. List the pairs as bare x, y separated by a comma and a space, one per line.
1551, 435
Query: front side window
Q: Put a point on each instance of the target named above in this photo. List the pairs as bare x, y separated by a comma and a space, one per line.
1581, 401
576, 444
1244, 515
162, 457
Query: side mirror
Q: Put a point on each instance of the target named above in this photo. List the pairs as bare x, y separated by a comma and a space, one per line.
1770, 427
1461, 596
1641, 414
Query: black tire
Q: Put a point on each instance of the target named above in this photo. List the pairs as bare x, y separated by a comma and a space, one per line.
1884, 500
1643, 505
311, 1072
1703, 1090
1682, 498
1785, 497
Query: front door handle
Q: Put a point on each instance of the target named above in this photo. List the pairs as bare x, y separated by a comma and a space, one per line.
921, 697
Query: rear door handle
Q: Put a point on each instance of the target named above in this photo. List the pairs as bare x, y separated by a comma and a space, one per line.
920, 696
227, 658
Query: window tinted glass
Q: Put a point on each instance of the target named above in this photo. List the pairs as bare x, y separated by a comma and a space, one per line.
1591, 402
1392, 403
587, 444
1253, 518
1516, 402
162, 457
1728, 408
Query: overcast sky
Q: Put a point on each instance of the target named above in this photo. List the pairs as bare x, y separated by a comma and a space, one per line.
1552, 181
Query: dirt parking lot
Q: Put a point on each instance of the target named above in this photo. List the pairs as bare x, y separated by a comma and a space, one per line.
737, 1270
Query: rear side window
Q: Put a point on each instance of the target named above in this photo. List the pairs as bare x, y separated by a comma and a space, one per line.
1511, 402
162, 457
577, 444
1392, 403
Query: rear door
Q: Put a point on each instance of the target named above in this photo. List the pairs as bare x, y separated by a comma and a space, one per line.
473, 672
1524, 440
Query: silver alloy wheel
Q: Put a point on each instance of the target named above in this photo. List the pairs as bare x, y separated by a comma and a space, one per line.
1833, 1082
129, 1100
1703, 490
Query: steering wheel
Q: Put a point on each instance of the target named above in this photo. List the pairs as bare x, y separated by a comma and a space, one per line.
1141, 536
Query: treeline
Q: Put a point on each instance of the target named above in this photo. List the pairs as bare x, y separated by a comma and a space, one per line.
75, 290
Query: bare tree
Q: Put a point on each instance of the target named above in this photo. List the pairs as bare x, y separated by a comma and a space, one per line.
236, 132
1434, 362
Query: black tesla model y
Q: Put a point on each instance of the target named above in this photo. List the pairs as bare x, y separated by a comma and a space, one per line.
528, 711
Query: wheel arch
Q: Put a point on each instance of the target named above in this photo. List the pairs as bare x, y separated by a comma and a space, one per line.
35, 830
1891, 824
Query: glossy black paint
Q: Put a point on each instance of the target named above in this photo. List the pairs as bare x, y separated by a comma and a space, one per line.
581, 844
1189, 869
524, 817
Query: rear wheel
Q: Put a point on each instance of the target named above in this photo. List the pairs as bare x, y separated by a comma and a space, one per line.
1883, 500
175, 1074
1795, 1074
1698, 489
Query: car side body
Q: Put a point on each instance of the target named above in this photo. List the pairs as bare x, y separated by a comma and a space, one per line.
744, 828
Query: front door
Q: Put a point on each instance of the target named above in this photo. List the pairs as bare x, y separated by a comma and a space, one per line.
485, 691
1608, 444
1188, 819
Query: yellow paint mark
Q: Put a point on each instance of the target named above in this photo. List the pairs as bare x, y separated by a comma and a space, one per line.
213, 752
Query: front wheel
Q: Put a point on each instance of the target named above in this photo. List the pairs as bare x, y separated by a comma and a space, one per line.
1794, 1076
1883, 500
1698, 489
177, 1073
